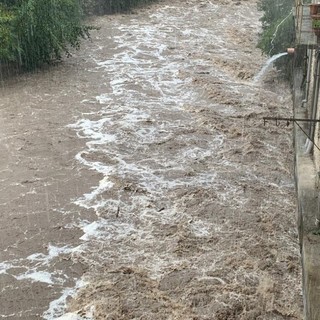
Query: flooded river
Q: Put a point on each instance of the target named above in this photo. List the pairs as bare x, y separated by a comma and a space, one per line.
139, 182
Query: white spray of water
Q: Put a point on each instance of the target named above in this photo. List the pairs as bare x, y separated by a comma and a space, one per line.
267, 65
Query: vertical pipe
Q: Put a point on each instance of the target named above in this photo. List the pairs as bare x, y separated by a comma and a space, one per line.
309, 62
315, 98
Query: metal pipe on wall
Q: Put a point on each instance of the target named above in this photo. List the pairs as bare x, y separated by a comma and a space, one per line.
314, 102
309, 55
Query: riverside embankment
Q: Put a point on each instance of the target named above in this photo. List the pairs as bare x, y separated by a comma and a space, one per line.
139, 175
307, 179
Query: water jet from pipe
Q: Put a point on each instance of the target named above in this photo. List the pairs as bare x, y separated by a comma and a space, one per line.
267, 65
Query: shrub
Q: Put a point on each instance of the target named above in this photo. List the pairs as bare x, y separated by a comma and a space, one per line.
39, 31
278, 30
7, 37
33, 32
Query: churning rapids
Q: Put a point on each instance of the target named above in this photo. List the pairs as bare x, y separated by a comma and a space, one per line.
138, 180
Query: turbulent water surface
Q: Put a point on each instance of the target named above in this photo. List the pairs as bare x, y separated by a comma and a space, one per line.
138, 180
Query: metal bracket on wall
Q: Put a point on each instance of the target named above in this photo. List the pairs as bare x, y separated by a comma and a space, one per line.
294, 120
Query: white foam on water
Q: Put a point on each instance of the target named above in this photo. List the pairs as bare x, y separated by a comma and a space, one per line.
144, 150
74, 316
106, 230
35, 265
145, 87
36, 276
92, 130
88, 200
57, 308
53, 252
4, 266
103, 98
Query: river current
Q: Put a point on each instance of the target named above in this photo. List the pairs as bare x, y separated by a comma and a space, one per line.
183, 204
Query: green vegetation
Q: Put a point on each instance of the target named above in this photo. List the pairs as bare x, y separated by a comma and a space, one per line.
278, 30
8, 46
33, 32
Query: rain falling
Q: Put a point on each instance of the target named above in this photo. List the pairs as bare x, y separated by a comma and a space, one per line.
137, 178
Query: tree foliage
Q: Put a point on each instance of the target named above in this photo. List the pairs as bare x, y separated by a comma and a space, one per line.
278, 30
7, 42
33, 32
274, 10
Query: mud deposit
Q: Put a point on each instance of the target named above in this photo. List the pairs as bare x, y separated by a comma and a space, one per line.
138, 180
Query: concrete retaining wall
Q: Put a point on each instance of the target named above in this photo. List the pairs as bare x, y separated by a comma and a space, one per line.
308, 210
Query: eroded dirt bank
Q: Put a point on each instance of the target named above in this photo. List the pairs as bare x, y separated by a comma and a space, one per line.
140, 173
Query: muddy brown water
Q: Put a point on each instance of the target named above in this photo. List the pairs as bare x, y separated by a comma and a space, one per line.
137, 178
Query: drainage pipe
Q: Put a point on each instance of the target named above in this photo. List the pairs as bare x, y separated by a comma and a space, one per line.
309, 66
314, 102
